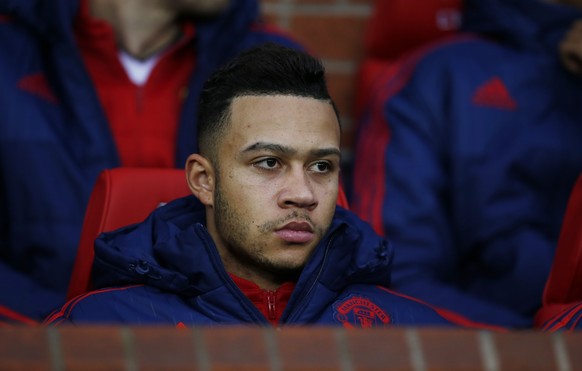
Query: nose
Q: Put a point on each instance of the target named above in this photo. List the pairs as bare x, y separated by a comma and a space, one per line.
298, 191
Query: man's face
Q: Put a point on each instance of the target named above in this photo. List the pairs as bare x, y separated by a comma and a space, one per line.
276, 184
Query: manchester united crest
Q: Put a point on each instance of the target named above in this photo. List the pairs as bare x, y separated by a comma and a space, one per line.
359, 311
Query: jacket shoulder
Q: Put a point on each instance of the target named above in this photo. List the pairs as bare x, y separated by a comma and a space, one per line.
135, 304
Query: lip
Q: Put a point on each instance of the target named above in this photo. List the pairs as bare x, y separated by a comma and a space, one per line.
296, 232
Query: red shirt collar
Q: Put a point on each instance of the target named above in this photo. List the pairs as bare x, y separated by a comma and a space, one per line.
270, 303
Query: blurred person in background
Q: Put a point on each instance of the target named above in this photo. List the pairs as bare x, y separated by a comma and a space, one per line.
467, 166
89, 85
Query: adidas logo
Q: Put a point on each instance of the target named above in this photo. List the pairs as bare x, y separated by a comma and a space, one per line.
493, 93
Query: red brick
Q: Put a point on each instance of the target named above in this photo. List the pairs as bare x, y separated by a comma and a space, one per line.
573, 344
450, 350
236, 348
376, 349
330, 36
308, 348
525, 350
164, 348
92, 347
311, 348
24, 349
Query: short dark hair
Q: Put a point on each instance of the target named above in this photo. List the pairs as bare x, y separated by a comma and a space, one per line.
268, 69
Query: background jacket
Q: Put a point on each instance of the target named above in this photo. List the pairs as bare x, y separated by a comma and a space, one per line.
466, 158
55, 139
569, 319
167, 270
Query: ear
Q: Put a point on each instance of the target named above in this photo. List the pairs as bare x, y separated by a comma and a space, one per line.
200, 176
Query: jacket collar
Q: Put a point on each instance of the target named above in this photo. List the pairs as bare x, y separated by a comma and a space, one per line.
173, 251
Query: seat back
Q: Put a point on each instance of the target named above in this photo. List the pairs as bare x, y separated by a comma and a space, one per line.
124, 196
564, 284
120, 197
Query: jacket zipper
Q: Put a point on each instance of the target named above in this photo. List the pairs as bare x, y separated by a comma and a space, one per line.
244, 301
304, 299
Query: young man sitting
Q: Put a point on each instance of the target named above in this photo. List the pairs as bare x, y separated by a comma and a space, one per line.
262, 240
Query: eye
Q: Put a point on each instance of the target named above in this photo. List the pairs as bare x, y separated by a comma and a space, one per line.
321, 167
267, 163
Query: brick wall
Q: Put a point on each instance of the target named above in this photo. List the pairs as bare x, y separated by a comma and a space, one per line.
332, 30
254, 348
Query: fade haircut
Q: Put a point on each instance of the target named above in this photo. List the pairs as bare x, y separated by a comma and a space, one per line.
269, 69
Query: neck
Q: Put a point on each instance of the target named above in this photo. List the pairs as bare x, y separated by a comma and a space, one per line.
142, 27
265, 280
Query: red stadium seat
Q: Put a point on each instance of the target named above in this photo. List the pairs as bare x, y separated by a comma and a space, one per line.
564, 284
121, 196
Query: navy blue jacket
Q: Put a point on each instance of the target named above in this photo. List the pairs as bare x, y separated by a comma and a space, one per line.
55, 139
167, 270
466, 159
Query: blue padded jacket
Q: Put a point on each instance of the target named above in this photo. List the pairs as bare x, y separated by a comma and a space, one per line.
167, 270
55, 139
466, 157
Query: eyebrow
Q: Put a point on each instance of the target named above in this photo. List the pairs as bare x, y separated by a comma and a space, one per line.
278, 148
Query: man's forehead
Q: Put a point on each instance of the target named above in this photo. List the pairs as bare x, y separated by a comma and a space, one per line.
288, 111
282, 123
